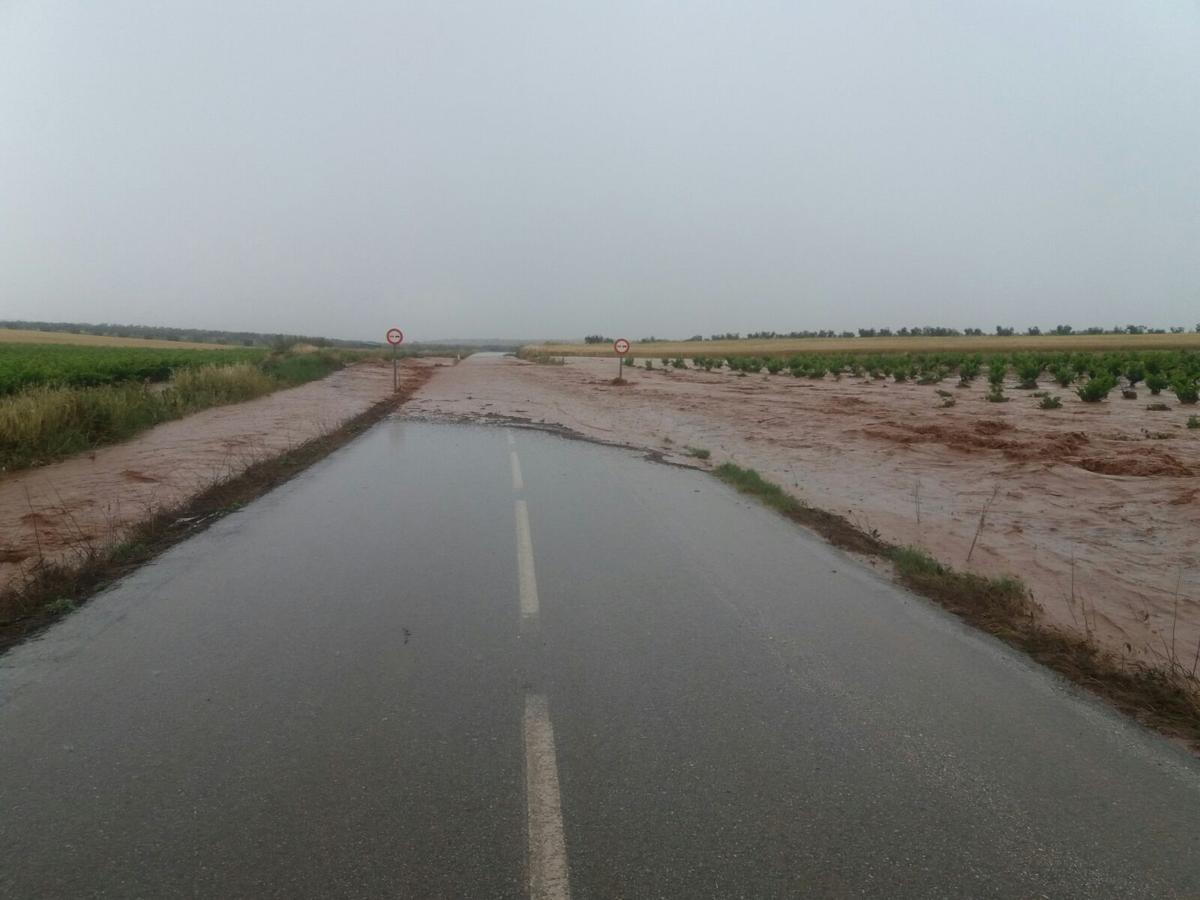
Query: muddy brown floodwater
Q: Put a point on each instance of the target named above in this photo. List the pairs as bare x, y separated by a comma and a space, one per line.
1095, 507
57, 511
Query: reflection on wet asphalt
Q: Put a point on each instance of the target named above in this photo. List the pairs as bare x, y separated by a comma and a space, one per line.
440, 665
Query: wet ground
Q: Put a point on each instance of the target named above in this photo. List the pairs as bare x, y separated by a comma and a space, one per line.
458, 661
62, 511
1096, 507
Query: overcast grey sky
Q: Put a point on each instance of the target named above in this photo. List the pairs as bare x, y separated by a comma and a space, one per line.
559, 168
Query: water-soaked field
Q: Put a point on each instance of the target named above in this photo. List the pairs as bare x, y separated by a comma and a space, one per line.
1096, 506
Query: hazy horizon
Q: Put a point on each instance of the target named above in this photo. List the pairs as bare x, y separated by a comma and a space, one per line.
541, 171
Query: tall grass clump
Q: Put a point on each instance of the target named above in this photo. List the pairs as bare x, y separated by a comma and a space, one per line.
990, 600
192, 389
300, 368
748, 481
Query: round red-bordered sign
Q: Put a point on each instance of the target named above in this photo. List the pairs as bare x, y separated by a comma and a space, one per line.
395, 336
621, 346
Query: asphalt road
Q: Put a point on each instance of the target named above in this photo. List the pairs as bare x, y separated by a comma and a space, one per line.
455, 661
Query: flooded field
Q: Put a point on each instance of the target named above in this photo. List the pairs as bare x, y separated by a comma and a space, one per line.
1096, 507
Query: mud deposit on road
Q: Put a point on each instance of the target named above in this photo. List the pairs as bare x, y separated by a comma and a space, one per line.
58, 511
1095, 502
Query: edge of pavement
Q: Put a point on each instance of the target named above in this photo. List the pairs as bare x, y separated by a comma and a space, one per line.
53, 590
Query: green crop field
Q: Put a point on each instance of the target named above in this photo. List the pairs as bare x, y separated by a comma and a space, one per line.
59, 399
80, 365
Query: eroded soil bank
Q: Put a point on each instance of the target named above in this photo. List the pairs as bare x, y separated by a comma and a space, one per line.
60, 510
1096, 507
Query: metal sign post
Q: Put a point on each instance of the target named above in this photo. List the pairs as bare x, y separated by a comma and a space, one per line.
395, 337
621, 346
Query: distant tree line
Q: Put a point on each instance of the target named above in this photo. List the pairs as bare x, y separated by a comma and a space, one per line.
916, 331
195, 335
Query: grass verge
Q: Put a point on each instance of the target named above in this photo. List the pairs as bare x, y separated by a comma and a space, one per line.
53, 590
45, 423
1165, 700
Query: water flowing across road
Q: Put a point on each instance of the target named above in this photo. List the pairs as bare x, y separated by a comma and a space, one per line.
460, 661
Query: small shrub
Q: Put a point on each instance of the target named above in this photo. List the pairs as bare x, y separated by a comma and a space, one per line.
942, 393
1064, 375
698, 452
1049, 402
629, 361
678, 362
996, 372
1156, 381
947, 402
1193, 422
1028, 372
996, 394
774, 365
1186, 390
649, 364
1129, 394
1096, 388
1158, 407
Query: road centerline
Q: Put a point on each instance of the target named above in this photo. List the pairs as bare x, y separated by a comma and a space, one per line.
525, 571
517, 480
548, 874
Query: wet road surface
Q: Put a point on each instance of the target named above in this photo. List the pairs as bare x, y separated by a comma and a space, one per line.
455, 661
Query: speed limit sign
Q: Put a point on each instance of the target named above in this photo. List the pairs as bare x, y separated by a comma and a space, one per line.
622, 347
394, 337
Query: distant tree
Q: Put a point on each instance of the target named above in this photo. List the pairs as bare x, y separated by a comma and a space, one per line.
1002, 331
1033, 330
